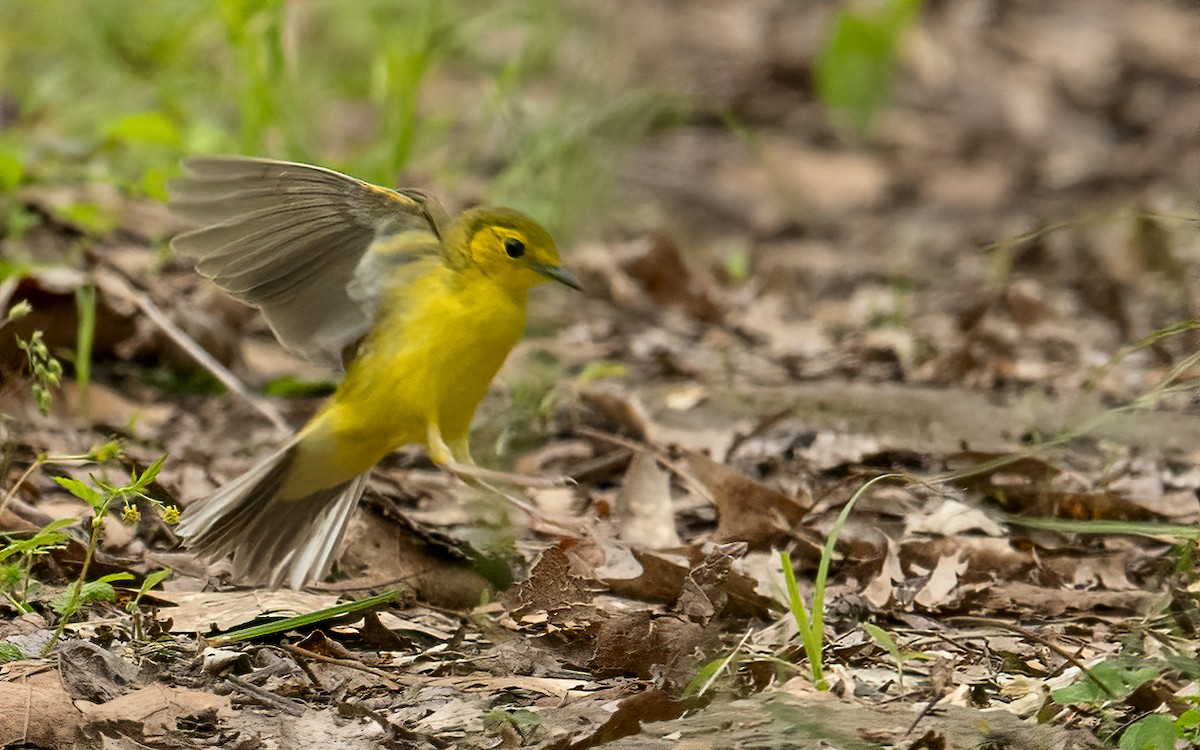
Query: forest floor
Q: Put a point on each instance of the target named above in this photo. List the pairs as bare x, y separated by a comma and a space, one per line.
989, 302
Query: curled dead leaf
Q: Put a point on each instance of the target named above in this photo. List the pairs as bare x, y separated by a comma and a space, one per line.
748, 510
656, 264
607, 408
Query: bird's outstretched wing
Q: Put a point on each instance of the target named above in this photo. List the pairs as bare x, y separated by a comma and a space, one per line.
294, 241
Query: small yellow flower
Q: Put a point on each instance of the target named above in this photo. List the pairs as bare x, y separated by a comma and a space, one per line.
130, 514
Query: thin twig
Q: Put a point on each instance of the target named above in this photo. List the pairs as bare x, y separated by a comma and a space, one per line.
923, 713
302, 662
8, 496
286, 705
656, 452
1052, 646
724, 664
350, 663
28, 707
117, 285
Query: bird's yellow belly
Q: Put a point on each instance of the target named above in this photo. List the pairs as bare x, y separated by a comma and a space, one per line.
429, 363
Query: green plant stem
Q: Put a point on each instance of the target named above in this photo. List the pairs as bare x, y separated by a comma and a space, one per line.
40, 461
85, 304
77, 589
20, 606
8, 496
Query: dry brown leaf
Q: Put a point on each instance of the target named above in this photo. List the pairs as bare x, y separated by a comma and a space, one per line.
658, 267
643, 512
554, 595
987, 558
157, 707
704, 595
647, 706
198, 612
879, 591
37, 712
641, 644
952, 517
436, 567
607, 408
748, 511
942, 583
96, 674
1026, 598
667, 575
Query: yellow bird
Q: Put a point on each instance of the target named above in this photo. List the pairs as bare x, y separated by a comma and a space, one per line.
423, 308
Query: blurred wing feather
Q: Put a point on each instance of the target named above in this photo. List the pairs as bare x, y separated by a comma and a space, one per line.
291, 239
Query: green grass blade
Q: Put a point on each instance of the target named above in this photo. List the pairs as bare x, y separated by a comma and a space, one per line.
300, 621
1132, 528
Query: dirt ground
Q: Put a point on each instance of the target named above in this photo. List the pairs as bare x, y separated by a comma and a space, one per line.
993, 299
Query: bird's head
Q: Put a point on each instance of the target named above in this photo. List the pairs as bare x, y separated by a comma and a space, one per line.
510, 248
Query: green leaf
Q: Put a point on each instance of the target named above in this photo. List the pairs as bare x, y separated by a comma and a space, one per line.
148, 583
10, 651
142, 482
10, 577
12, 171
100, 590
737, 265
113, 577
1189, 719
89, 217
1153, 732
144, 127
289, 386
1133, 528
1120, 681
80, 490
48, 537
523, 721
154, 579
702, 676
854, 73
884, 639
602, 370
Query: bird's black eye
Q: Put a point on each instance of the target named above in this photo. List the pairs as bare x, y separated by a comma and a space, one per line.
514, 247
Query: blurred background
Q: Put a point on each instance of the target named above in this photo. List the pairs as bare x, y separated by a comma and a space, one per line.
820, 241
980, 192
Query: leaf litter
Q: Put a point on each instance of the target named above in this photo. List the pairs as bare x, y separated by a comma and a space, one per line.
645, 607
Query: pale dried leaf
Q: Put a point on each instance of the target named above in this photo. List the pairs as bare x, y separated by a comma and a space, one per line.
643, 511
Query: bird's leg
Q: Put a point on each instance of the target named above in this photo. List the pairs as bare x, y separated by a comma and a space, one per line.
461, 450
456, 458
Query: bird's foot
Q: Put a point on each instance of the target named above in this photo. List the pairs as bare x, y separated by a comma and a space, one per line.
463, 471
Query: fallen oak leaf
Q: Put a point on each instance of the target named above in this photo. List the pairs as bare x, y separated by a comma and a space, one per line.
642, 644
747, 510
689, 580
647, 706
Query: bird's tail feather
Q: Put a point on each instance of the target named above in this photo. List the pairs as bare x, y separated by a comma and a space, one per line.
272, 541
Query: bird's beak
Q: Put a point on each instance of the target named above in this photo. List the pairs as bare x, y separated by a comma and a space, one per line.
559, 274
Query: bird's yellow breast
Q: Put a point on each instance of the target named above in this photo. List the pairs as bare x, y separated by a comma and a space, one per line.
441, 336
